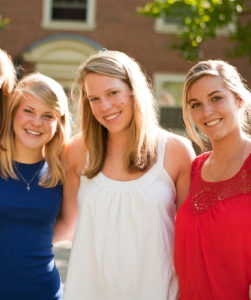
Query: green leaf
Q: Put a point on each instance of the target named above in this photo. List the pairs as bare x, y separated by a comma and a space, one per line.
200, 19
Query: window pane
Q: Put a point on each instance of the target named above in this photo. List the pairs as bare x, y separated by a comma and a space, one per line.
171, 94
75, 10
68, 1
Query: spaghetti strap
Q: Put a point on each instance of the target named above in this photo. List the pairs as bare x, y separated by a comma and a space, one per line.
161, 148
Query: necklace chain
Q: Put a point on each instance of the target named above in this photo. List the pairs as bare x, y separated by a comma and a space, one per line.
217, 178
33, 177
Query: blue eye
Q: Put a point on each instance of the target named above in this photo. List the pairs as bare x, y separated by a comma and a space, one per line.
114, 92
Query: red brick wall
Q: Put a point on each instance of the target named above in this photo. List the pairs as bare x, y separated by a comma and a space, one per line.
117, 27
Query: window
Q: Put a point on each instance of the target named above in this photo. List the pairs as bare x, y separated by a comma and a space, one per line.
171, 25
69, 14
168, 90
71, 10
162, 25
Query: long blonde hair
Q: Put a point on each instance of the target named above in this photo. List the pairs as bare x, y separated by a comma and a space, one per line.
143, 134
51, 93
233, 82
8, 73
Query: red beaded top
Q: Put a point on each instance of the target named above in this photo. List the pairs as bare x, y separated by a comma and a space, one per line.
213, 237
204, 194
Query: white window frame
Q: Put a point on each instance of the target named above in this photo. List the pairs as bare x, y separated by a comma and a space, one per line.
159, 78
48, 23
161, 26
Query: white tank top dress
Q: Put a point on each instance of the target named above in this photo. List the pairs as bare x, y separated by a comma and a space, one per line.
123, 245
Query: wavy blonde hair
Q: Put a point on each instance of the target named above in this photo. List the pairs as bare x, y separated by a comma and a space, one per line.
51, 93
232, 81
141, 149
8, 74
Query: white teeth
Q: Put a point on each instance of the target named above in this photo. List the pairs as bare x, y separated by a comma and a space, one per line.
212, 123
111, 117
33, 132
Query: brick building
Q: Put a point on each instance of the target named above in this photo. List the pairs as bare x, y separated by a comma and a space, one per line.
53, 36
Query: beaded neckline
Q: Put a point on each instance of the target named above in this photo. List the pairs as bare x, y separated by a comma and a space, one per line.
205, 194
206, 155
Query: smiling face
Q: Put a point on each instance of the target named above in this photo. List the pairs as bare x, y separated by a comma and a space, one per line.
34, 125
110, 101
214, 109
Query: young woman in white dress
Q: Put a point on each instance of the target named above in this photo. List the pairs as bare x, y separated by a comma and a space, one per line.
130, 177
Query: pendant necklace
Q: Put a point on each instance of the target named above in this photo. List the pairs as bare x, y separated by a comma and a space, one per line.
33, 177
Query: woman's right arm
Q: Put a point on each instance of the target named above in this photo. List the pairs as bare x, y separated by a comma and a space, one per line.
74, 161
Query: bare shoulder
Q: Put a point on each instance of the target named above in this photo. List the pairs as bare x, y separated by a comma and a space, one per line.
179, 154
178, 145
75, 153
178, 158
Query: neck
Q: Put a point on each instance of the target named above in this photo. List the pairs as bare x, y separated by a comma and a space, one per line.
117, 141
28, 157
224, 150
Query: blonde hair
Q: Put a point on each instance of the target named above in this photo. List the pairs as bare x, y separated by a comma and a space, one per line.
143, 137
51, 93
233, 82
7, 71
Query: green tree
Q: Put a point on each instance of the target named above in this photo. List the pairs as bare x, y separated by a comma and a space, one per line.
3, 22
200, 19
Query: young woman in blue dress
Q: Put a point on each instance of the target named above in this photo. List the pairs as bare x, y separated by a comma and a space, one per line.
31, 191
7, 82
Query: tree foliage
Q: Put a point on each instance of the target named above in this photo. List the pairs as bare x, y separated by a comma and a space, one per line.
200, 19
3, 22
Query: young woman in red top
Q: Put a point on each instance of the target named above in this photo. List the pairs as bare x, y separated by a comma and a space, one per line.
213, 226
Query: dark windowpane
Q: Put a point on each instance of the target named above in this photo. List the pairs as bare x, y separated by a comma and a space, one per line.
171, 118
69, 10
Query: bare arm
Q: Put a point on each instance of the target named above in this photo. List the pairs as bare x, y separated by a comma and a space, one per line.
179, 155
74, 160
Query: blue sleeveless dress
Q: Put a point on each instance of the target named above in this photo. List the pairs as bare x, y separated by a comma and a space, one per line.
27, 217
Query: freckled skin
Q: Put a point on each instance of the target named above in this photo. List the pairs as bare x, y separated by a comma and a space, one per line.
107, 96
